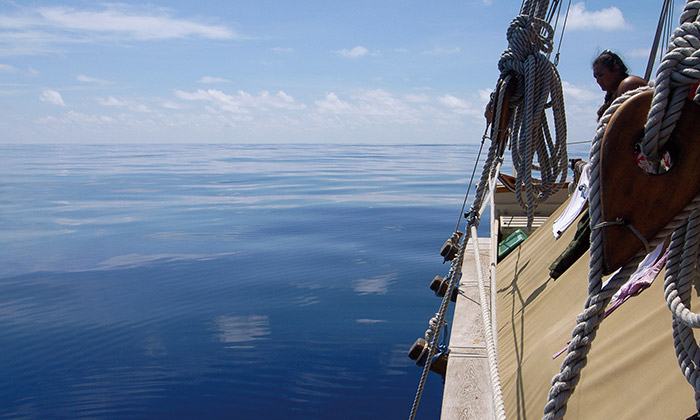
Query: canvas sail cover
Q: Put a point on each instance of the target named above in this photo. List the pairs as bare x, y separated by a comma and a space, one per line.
632, 371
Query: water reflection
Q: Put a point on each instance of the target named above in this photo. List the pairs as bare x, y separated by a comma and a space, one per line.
374, 285
126, 282
242, 329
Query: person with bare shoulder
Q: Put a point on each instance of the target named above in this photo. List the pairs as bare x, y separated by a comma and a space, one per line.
613, 78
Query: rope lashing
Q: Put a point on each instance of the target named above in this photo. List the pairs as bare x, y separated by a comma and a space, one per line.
538, 88
621, 222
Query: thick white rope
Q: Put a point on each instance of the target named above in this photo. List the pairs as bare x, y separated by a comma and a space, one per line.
682, 263
491, 351
680, 68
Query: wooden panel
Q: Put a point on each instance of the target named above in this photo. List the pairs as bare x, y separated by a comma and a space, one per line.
647, 202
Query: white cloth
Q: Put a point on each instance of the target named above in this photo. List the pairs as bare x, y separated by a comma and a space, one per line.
576, 205
578, 201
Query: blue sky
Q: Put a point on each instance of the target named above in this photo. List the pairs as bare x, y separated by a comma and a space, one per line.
276, 71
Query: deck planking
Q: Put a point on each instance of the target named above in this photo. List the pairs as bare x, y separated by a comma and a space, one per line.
467, 393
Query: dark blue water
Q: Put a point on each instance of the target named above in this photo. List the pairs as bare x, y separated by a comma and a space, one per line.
221, 281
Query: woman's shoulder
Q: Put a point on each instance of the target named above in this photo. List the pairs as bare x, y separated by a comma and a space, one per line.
630, 83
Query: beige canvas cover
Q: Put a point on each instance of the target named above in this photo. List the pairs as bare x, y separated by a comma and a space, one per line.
632, 372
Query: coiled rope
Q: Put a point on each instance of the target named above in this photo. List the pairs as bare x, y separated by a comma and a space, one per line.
539, 87
679, 69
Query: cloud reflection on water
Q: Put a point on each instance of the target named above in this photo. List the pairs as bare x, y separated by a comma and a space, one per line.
374, 285
242, 330
140, 260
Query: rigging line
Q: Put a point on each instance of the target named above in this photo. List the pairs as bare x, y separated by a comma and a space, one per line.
552, 10
561, 37
471, 180
556, 10
657, 37
453, 275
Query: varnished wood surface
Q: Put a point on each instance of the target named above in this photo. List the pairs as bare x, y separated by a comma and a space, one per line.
646, 201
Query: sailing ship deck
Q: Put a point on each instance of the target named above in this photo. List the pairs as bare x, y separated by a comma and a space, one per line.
631, 372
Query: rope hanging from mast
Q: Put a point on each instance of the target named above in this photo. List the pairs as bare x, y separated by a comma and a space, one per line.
538, 87
526, 69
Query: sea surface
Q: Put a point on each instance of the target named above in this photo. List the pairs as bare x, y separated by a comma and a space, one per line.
221, 281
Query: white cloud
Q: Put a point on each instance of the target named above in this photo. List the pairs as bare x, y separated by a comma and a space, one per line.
38, 30
112, 101
86, 79
6, 68
484, 95
356, 52
139, 108
53, 97
171, 105
608, 19
380, 103
73, 118
366, 113
381, 108
333, 105
211, 79
243, 101
117, 18
459, 106
120, 103
575, 93
416, 99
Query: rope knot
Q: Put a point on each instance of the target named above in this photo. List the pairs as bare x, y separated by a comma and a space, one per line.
621, 222
527, 35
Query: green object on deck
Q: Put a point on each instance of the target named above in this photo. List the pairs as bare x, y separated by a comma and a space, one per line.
510, 243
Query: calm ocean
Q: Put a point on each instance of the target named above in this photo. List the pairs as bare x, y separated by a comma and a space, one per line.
221, 281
